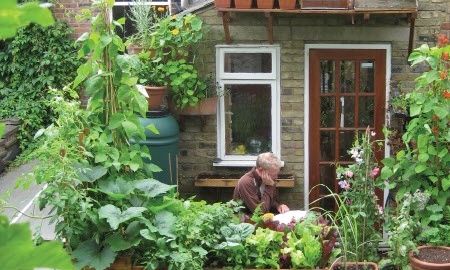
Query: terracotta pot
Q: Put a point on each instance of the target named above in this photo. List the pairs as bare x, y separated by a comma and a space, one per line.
124, 263
367, 265
287, 4
417, 264
157, 96
265, 4
134, 49
207, 106
244, 4
222, 3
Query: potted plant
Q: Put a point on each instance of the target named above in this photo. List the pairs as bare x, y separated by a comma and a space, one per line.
358, 215
327, 4
222, 3
287, 4
243, 4
144, 19
265, 4
430, 258
152, 75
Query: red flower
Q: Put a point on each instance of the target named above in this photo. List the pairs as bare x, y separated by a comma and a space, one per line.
442, 40
446, 94
445, 56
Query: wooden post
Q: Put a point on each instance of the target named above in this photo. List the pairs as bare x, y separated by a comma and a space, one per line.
412, 23
226, 25
269, 27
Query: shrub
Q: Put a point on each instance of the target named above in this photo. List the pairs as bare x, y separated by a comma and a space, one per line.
35, 60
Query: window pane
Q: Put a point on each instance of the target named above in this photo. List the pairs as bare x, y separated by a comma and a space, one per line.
327, 76
347, 76
128, 28
327, 178
347, 112
367, 75
327, 143
346, 139
366, 111
327, 112
248, 62
248, 122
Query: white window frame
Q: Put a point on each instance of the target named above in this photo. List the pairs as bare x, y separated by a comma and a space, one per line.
272, 79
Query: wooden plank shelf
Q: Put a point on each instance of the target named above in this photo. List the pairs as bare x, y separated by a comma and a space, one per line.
230, 181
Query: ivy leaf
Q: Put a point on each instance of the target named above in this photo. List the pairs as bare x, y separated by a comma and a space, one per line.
152, 187
91, 254
115, 217
88, 173
446, 183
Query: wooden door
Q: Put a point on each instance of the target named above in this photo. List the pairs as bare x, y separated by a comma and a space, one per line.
347, 94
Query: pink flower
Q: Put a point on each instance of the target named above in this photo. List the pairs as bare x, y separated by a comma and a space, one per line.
373, 133
380, 210
374, 173
344, 185
348, 174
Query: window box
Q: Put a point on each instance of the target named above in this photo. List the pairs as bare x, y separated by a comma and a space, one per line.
214, 180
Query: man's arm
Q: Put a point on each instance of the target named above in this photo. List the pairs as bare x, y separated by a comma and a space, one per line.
249, 195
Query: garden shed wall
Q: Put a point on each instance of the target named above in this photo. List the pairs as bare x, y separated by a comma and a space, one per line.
198, 144
291, 33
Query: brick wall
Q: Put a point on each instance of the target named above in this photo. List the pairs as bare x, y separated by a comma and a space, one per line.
291, 32
67, 10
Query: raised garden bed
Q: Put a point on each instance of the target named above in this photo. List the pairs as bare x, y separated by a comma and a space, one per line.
215, 180
9, 144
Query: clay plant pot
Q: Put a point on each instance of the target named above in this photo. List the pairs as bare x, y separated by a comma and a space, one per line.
134, 49
287, 4
157, 97
354, 266
265, 4
222, 3
207, 106
325, 4
430, 258
124, 263
243, 4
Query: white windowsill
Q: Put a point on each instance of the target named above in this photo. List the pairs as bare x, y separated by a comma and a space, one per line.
237, 163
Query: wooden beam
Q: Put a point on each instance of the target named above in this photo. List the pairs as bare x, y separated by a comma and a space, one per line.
226, 25
327, 11
412, 24
231, 183
366, 17
269, 27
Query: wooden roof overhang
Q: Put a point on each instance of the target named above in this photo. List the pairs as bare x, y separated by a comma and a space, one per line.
355, 8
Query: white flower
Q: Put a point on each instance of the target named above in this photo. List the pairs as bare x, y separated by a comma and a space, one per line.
373, 133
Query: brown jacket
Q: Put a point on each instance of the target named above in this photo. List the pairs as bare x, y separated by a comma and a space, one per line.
248, 191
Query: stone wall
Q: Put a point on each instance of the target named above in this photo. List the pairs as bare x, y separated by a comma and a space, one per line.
67, 10
292, 32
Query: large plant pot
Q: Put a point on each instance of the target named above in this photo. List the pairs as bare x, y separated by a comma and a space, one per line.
243, 4
426, 258
207, 106
222, 3
355, 266
157, 97
287, 4
124, 263
265, 4
134, 49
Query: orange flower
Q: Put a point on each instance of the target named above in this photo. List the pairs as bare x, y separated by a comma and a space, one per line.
445, 56
161, 9
442, 40
443, 75
446, 94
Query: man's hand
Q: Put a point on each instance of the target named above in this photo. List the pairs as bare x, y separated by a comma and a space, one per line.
282, 208
266, 179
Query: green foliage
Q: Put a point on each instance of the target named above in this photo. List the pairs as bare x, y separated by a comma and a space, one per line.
2, 129
31, 63
17, 250
15, 16
304, 245
171, 61
263, 248
402, 228
359, 213
424, 162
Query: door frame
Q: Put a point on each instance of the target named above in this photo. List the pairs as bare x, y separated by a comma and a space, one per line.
308, 47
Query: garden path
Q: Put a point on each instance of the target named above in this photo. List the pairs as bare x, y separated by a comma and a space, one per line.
25, 200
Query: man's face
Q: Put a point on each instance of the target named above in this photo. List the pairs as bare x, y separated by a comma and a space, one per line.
273, 172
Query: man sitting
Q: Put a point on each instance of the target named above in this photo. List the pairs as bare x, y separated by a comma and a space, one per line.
258, 186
